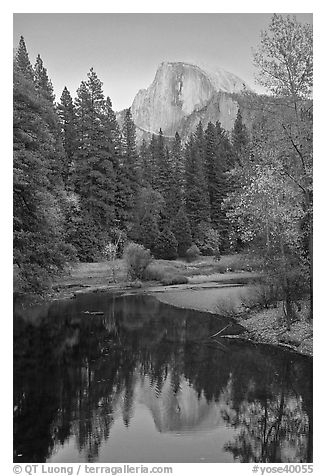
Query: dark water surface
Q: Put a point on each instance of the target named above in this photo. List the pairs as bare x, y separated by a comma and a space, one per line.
145, 382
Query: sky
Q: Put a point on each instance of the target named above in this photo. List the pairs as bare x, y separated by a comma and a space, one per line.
126, 49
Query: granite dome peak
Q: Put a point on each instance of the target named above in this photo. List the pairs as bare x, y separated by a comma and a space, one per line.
183, 93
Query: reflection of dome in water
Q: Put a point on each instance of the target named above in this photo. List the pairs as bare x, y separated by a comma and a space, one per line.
181, 412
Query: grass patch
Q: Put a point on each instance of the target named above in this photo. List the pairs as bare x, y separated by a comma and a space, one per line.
165, 272
160, 269
177, 279
176, 271
106, 272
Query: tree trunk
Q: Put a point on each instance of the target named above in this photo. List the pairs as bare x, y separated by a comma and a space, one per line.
311, 276
287, 305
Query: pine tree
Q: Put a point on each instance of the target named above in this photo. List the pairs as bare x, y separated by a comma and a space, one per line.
153, 172
171, 192
129, 178
165, 179
67, 115
95, 156
129, 151
145, 161
39, 249
217, 160
238, 157
166, 245
149, 206
177, 159
44, 88
200, 145
240, 138
113, 127
197, 198
181, 228
42, 82
22, 62
160, 160
148, 231
114, 136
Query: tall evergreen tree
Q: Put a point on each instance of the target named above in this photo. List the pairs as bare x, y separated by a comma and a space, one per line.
145, 164
44, 88
166, 246
114, 136
197, 198
217, 163
42, 82
181, 228
39, 249
67, 115
129, 175
165, 179
171, 192
95, 175
113, 126
129, 151
160, 158
240, 137
153, 172
22, 62
178, 165
149, 205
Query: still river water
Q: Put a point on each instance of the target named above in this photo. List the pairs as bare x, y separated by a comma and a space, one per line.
142, 381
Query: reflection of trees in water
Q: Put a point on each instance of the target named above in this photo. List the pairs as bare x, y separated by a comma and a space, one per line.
271, 423
74, 373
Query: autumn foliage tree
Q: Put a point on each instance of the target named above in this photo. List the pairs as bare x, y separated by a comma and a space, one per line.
272, 206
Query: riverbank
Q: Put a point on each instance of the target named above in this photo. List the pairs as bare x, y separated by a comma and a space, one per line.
266, 326
112, 276
262, 325
215, 287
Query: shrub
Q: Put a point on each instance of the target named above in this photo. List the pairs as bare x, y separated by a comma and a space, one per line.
262, 296
166, 245
192, 253
137, 258
227, 307
136, 284
220, 268
154, 272
110, 251
211, 243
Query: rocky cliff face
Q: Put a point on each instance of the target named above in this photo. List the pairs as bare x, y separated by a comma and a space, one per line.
181, 95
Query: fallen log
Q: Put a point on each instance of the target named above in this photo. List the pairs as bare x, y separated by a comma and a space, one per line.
220, 331
94, 313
